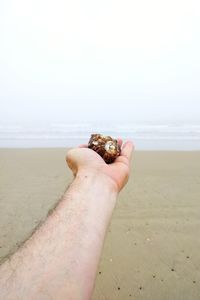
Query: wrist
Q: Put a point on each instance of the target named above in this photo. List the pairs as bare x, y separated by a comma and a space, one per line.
97, 179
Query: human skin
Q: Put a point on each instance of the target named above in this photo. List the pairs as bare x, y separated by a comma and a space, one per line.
60, 260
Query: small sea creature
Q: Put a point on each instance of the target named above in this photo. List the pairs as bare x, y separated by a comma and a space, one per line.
107, 147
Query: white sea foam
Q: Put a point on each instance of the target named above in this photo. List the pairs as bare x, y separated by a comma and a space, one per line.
145, 136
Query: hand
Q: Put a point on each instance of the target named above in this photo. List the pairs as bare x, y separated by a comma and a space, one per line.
83, 159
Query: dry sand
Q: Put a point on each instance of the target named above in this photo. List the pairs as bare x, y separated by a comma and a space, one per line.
152, 249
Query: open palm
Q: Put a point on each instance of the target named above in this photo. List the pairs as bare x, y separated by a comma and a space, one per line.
85, 159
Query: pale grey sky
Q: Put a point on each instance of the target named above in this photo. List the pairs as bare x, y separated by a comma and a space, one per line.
99, 60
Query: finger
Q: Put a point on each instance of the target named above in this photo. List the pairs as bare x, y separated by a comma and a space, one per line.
83, 146
127, 150
119, 141
71, 159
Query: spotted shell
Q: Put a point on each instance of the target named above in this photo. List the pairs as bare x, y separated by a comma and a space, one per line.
107, 147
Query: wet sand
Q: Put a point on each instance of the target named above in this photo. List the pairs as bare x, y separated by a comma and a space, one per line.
152, 249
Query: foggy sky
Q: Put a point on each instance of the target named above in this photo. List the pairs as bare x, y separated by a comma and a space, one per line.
93, 60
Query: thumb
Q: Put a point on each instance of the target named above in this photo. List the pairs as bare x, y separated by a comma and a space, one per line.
127, 150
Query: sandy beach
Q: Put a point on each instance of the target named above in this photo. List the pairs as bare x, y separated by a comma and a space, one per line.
152, 249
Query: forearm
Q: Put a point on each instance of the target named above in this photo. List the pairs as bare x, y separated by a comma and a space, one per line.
60, 260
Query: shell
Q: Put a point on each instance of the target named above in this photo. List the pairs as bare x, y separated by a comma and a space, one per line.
107, 147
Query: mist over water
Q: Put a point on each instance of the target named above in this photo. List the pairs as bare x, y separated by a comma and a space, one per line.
147, 136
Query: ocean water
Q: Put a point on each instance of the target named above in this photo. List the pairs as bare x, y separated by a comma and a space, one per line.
146, 136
